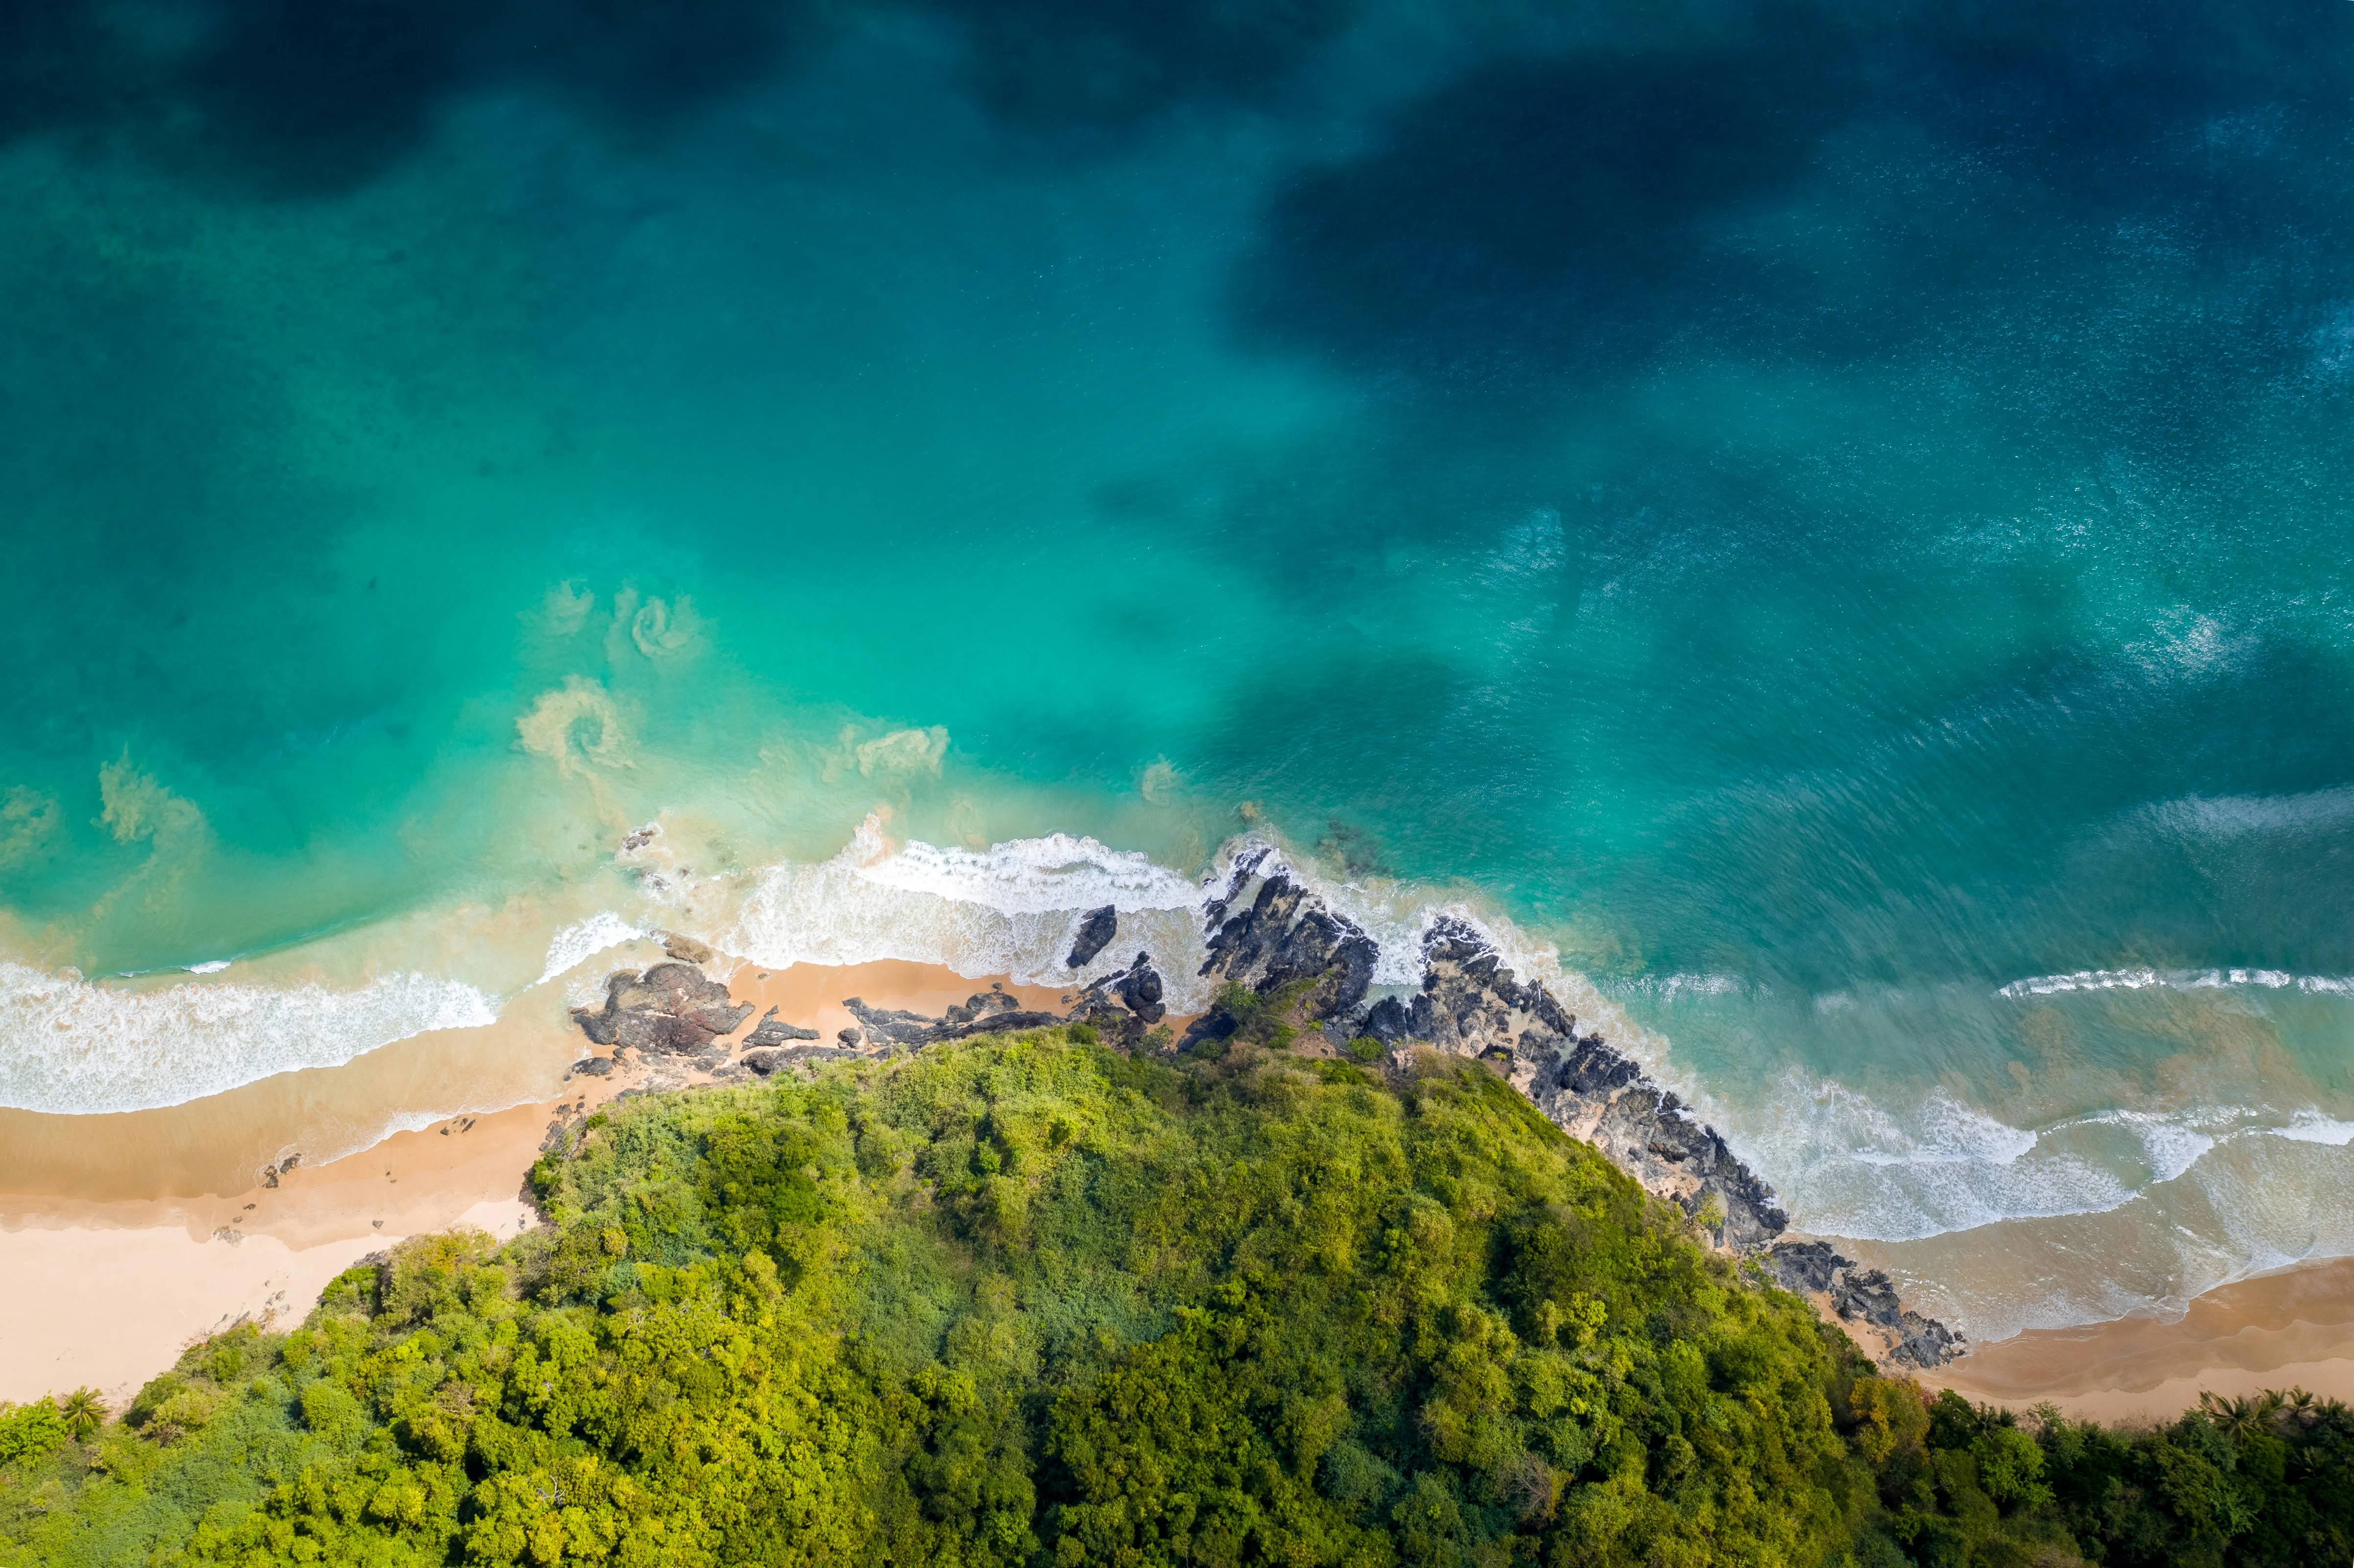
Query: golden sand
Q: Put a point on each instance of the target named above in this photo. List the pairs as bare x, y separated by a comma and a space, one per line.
2291, 1328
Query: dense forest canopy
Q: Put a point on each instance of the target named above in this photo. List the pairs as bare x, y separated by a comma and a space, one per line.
1030, 1300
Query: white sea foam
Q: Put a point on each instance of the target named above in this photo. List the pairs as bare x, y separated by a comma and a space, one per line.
1846, 1165
2312, 1127
1027, 876
1009, 909
209, 966
583, 939
68, 1045
2177, 979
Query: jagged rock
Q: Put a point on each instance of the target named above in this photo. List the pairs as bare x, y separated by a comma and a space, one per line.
1805, 1268
888, 1025
1095, 934
772, 1031
1865, 1296
1285, 937
988, 1023
592, 1066
673, 1008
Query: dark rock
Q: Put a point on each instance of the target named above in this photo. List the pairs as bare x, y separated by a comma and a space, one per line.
1287, 936
592, 1066
887, 1025
1140, 989
673, 1008
1864, 1295
1095, 934
771, 1030
1804, 1267
850, 1038
989, 1024
981, 1004
1388, 1021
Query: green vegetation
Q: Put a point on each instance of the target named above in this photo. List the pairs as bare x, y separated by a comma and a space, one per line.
1029, 1301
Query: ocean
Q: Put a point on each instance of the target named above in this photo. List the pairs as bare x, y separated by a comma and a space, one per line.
1823, 526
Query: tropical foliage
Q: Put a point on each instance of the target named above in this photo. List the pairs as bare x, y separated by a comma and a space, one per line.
1031, 1301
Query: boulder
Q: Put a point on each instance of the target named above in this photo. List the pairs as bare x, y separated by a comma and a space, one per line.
1095, 934
1140, 989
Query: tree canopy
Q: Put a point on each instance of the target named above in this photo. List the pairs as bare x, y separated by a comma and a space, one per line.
1029, 1300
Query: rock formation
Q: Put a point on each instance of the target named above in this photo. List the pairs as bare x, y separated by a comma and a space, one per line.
671, 1008
772, 1031
1095, 934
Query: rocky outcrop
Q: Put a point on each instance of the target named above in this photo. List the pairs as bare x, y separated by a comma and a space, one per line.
672, 1008
773, 1030
1095, 934
768, 1059
1284, 947
1284, 937
1864, 1296
1138, 989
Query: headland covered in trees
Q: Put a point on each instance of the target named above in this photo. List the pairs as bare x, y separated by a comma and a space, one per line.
999, 1288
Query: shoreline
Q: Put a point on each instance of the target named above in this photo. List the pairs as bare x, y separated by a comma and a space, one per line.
158, 1227
116, 1238
2290, 1328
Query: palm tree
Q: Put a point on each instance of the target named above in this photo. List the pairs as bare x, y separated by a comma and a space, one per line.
85, 1411
2241, 1417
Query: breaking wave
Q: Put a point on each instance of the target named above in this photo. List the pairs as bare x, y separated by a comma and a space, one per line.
69, 1045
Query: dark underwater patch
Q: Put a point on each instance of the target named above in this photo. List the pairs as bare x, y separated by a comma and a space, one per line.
1832, 187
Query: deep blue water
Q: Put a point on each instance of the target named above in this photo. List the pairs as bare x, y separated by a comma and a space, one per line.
1834, 516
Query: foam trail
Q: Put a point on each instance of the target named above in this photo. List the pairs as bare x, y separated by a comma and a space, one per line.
2177, 979
70, 1046
583, 939
2314, 1127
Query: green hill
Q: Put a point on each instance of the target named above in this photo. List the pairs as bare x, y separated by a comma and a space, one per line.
1032, 1301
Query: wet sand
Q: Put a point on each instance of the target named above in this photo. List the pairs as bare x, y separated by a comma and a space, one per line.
125, 1238
2290, 1329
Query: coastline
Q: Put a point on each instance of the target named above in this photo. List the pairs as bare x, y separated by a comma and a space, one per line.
130, 1235
114, 1230
2291, 1327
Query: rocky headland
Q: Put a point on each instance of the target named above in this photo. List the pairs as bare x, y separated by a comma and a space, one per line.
1296, 974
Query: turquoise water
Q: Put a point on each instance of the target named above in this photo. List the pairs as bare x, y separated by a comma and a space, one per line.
1833, 519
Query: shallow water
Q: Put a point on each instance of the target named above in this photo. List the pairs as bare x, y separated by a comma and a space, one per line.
1831, 518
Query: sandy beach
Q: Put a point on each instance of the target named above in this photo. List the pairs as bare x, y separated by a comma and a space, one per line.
2290, 1329
127, 1237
